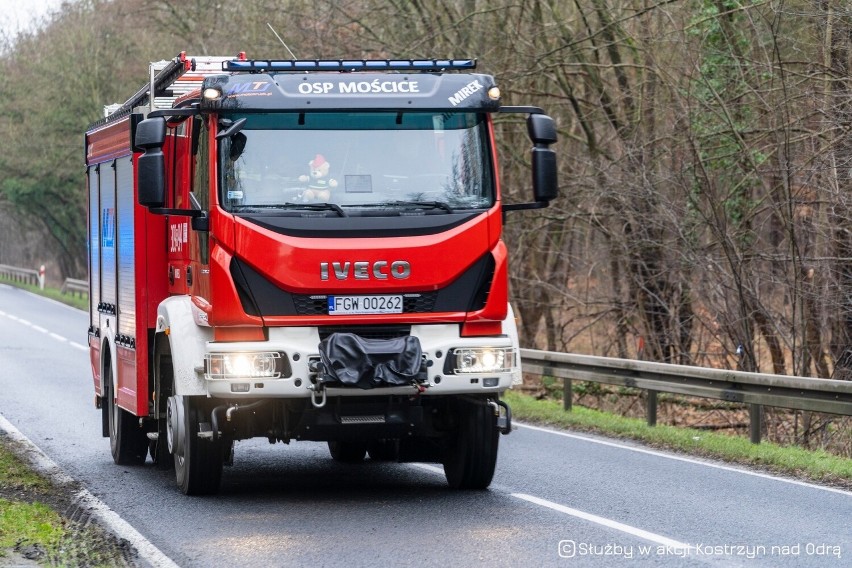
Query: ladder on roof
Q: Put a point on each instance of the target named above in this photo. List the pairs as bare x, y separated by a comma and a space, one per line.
177, 84
170, 80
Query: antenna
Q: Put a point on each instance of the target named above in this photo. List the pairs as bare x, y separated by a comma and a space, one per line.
293, 55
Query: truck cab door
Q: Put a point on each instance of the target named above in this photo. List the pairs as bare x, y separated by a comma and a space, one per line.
203, 168
178, 198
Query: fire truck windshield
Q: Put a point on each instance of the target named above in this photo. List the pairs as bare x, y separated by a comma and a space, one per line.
367, 162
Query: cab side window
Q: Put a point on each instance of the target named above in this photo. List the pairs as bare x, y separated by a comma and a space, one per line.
201, 179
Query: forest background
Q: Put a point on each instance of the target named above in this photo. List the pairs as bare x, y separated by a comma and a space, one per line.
705, 156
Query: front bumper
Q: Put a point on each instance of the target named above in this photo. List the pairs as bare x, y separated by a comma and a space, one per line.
300, 346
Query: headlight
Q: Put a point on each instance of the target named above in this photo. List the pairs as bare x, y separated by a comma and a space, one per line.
482, 360
264, 365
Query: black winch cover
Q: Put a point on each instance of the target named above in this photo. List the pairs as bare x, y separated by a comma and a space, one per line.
354, 361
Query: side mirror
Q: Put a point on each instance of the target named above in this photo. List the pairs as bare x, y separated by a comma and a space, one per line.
545, 186
151, 133
151, 167
542, 131
201, 224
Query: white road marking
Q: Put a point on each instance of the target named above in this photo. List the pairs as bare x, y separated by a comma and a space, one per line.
56, 336
41, 329
603, 521
112, 520
682, 459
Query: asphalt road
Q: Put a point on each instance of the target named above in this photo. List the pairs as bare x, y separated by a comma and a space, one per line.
558, 499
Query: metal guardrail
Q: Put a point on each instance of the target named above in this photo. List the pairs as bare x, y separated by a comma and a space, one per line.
75, 287
29, 276
22, 275
755, 389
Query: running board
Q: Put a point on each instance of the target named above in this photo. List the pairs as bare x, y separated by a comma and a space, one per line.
370, 419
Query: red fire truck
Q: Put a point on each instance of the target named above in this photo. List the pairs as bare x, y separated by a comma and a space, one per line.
304, 250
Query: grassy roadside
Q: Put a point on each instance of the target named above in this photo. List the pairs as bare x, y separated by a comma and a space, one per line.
812, 465
52, 293
41, 525
28, 528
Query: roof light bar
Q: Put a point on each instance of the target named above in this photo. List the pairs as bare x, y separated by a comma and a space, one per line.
349, 65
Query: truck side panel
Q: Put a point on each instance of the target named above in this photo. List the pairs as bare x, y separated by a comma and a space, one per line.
128, 379
151, 288
125, 225
107, 238
94, 250
124, 241
94, 273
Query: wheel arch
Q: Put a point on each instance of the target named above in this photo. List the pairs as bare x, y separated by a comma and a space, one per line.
510, 328
187, 342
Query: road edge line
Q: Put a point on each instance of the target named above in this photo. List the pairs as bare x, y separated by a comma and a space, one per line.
112, 521
605, 522
681, 458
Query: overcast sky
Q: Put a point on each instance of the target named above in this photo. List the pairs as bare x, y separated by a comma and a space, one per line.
20, 14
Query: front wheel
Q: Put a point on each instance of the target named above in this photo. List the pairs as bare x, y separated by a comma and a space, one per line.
198, 462
470, 458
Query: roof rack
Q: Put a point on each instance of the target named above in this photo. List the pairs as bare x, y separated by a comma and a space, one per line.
169, 80
424, 65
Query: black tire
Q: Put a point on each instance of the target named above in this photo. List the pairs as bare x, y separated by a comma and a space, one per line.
383, 450
164, 379
105, 412
159, 449
471, 456
347, 451
127, 440
198, 464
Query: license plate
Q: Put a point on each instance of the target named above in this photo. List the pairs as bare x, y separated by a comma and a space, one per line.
361, 305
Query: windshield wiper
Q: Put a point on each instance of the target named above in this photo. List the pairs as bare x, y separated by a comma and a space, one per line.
308, 206
416, 204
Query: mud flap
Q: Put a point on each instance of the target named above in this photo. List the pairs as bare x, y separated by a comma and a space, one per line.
504, 417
